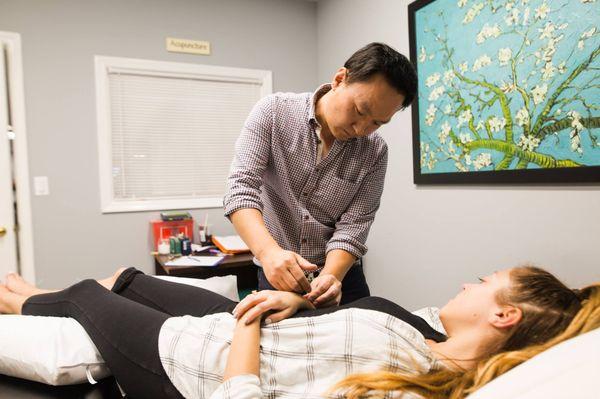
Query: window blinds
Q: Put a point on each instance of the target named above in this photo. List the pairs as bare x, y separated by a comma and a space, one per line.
172, 137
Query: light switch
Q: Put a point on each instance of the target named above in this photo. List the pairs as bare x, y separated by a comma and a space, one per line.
40, 185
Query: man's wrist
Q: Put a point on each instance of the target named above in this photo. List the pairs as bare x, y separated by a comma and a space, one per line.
333, 273
261, 252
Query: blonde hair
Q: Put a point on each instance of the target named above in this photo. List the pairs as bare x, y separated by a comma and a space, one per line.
552, 313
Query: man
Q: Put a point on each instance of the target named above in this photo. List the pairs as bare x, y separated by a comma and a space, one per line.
308, 174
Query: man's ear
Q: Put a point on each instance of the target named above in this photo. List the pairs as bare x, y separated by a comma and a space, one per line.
339, 77
505, 317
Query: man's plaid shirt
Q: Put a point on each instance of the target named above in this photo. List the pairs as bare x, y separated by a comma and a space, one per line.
308, 207
300, 358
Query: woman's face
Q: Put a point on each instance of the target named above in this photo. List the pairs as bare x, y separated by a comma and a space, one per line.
476, 303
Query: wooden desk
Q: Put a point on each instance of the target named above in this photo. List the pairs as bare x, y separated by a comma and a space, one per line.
240, 265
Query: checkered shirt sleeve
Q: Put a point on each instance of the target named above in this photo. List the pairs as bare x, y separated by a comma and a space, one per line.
252, 151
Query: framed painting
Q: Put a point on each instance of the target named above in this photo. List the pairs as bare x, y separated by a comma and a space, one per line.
509, 91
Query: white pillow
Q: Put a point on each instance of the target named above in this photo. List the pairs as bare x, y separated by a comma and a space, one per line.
568, 370
58, 351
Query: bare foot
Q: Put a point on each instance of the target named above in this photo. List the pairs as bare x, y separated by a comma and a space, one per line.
109, 282
10, 303
18, 285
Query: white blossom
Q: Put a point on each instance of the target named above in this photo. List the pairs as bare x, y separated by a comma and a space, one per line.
448, 109
589, 33
584, 36
507, 87
436, 93
444, 133
562, 67
482, 160
496, 124
481, 62
448, 76
433, 79
464, 67
575, 133
461, 3
575, 141
528, 143
542, 11
460, 167
430, 116
451, 148
465, 138
504, 55
472, 13
548, 71
464, 117
522, 117
575, 120
539, 93
428, 158
487, 32
422, 55
547, 31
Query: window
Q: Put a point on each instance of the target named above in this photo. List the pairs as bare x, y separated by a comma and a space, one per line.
166, 131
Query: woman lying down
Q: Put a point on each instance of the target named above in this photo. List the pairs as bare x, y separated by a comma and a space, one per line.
166, 340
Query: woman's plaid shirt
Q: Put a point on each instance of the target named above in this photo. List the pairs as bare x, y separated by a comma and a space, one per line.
300, 358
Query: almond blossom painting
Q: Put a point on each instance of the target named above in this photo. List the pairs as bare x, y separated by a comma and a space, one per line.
507, 88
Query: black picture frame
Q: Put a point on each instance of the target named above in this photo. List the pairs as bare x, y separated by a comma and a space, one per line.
560, 176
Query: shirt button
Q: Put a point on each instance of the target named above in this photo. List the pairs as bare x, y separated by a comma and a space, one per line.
303, 241
317, 170
305, 194
305, 217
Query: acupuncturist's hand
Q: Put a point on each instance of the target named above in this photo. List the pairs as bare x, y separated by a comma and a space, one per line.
274, 305
285, 270
326, 291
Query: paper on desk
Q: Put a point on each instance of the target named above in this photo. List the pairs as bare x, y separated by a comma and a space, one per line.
195, 261
200, 248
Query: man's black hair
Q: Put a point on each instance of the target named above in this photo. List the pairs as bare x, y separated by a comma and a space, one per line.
379, 58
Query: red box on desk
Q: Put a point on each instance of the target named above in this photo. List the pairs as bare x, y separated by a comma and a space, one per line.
164, 229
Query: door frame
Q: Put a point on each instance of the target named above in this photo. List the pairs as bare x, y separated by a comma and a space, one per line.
12, 44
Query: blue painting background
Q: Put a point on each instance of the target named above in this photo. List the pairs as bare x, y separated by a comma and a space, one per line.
444, 18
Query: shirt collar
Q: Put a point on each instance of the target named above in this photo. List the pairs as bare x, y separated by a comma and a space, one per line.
313, 101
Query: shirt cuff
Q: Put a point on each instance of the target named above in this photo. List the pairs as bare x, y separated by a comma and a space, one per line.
245, 386
234, 206
352, 246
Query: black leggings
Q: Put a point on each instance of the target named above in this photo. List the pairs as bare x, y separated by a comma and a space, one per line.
125, 324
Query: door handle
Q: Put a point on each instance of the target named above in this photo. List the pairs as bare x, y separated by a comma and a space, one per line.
2, 231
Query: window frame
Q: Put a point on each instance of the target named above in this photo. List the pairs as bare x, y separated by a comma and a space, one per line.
103, 66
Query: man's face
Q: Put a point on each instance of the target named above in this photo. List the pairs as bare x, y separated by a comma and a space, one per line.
358, 109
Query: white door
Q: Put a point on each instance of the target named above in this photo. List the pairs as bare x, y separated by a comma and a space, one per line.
8, 245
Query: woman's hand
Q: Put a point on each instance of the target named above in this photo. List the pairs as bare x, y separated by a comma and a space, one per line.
276, 305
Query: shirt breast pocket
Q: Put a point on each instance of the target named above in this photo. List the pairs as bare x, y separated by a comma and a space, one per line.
334, 195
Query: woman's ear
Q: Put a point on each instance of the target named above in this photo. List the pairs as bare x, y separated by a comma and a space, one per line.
339, 77
506, 317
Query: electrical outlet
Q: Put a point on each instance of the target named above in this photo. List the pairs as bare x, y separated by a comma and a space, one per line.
40, 185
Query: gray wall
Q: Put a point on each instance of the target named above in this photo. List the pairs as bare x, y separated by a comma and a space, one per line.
73, 240
426, 241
